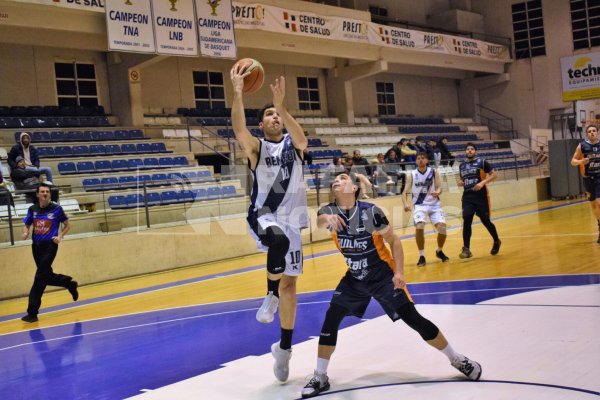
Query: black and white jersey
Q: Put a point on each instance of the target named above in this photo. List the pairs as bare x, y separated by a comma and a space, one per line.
422, 185
279, 187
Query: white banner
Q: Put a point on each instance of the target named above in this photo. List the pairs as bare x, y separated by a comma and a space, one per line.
129, 26
215, 28
175, 27
580, 77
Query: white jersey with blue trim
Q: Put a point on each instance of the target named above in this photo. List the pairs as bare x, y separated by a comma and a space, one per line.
278, 186
422, 186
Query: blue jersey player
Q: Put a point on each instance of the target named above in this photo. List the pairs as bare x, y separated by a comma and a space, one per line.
587, 158
360, 231
44, 220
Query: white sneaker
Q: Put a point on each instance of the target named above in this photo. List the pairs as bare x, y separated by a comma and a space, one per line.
470, 368
281, 368
266, 312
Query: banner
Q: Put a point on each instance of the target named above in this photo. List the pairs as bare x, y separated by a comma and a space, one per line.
129, 26
215, 28
174, 27
580, 77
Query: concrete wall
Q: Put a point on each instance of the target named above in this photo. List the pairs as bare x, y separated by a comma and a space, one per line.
123, 254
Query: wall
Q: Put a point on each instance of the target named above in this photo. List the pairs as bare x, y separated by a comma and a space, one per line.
118, 255
27, 74
535, 86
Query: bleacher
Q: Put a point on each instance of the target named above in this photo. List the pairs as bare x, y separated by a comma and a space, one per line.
32, 117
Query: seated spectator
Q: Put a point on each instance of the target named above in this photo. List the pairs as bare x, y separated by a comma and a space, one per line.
361, 164
29, 153
434, 154
409, 152
447, 157
395, 169
381, 178
331, 170
5, 195
25, 179
397, 148
420, 145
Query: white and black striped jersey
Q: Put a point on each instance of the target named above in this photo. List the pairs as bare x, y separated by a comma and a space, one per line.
422, 185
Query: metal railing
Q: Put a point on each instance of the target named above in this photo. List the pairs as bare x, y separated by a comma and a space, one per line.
497, 123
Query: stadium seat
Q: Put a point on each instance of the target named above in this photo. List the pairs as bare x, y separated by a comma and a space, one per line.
84, 167
109, 183
66, 168
119, 165
90, 184
128, 148
102, 165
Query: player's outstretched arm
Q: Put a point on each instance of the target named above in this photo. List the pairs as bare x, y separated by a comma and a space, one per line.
293, 127
249, 143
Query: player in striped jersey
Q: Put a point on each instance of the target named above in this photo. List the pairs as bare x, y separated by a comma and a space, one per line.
425, 185
277, 211
587, 157
360, 231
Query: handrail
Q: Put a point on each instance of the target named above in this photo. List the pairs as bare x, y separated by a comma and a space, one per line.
497, 123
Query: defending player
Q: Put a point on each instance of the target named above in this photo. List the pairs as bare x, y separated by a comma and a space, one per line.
587, 157
426, 186
277, 211
359, 230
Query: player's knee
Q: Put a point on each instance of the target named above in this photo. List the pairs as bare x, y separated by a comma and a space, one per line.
279, 245
424, 327
441, 228
420, 225
333, 318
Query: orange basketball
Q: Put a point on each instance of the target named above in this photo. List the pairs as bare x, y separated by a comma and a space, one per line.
255, 80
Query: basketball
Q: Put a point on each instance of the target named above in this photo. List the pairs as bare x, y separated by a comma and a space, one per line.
255, 80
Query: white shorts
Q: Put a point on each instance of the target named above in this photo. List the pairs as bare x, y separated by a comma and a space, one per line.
294, 258
435, 214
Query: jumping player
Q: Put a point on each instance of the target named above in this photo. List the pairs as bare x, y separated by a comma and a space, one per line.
475, 174
277, 209
426, 186
359, 230
587, 157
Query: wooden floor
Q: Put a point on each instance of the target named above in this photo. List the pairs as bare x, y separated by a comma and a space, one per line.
547, 238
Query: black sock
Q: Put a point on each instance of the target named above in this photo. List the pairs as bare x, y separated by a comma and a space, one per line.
286, 339
273, 286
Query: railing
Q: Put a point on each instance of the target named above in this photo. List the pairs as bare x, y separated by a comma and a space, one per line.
496, 122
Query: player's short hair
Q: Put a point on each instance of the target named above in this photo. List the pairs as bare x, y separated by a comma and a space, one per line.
591, 126
471, 144
261, 112
422, 154
42, 185
353, 179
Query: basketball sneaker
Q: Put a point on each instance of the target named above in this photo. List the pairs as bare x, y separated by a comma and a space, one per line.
470, 368
318, 383
466, 253
281, 368
440, 254
495, 247
72, 288
422, 262
29, 318
266, 312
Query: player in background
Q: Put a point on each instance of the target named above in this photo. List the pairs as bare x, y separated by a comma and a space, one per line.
425, 185
475, 175
587, 158
277, 211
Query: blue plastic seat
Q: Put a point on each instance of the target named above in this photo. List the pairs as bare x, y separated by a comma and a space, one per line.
90, 184
166, 162
136, 134
153, 199
109, 183
45, 151
151, 162
113, 149
228, 191
204, 175
200, 194
119, 165
142, 147
159, 179
117, 202
40, 136
102, 165
85, 167
66, 168
97, 149
214, 192
80, 150
136, 163
169, 197
128, 148
122, 135
159, 147
57, 136
127, 181
180, 160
